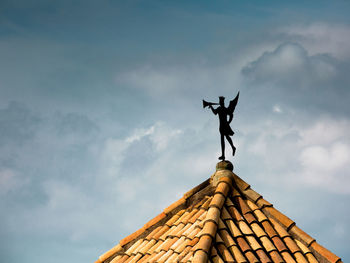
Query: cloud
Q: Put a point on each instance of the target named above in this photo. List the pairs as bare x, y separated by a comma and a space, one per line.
322, 38
288, 76
315, 154
164, 82
289, 64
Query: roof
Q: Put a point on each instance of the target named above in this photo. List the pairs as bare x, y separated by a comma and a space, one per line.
221, 220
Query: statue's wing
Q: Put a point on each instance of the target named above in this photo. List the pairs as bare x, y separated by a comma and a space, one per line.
233, 103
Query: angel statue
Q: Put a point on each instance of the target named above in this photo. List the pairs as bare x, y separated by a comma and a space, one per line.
225, 129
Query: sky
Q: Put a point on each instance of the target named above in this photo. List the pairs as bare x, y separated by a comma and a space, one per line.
102, 125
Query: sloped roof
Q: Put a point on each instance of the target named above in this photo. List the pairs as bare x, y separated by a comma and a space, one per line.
221, 220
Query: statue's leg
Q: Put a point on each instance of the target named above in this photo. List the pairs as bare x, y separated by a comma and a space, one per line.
231, 143
222, 157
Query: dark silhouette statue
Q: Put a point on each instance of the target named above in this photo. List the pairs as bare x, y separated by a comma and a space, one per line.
224, 128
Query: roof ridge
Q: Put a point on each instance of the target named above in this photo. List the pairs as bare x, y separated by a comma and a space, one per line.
211, 221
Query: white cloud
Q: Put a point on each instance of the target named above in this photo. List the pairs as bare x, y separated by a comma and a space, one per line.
289, 66
159, 133
315, 154
184, 80
276, 108
324, 131
322, 38
325, 159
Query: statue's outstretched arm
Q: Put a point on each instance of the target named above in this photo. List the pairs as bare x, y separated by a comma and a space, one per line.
213, 110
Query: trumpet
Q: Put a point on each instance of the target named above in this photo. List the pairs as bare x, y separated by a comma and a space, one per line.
206, 103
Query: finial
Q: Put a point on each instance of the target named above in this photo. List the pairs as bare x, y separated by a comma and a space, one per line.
223, 169
224, 165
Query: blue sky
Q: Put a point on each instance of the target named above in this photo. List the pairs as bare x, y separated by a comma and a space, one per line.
101, 122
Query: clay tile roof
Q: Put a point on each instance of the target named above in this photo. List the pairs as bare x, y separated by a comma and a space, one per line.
221, 220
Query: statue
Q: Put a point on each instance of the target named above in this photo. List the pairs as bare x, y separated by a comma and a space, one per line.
225, 129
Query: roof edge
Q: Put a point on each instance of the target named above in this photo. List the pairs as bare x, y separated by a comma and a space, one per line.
167, 212
322, 254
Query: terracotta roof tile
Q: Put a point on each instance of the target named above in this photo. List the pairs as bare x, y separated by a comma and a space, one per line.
173, 257
250, 218
134, 259
311, 258
196, 216
154, 220
280, 230
262, 203
227, 239
196, 189
225, 253
286, 221
145, 258
244, 208
258, 231
300, 257
131, 237
243, 245
267, 244
213, 214
147, 246
204, 243
245, 229
279, 244
116, 259
241, 184
252, 205
165, 256
111, 252
253, 242
175, 205
252, 195
325, 252
136, 246
223, 250
155, 247
233, 228
235, 193
237, 253
275, 256
235, 214
259, 215
264, 258
161, 232
251, 257
220, 220
288, 257
209, 229
269, 229
292, 246
123, 258
300, 234
225, 214
215, 257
